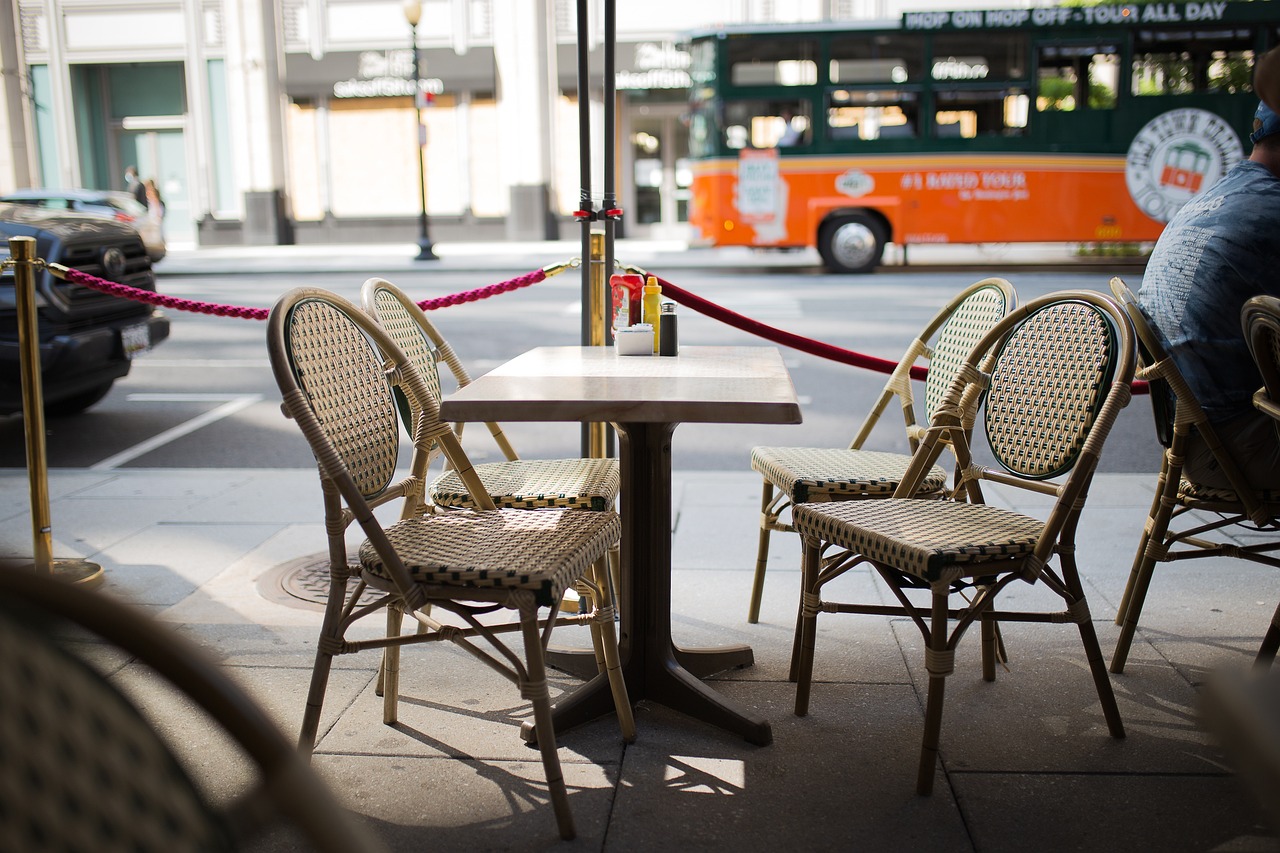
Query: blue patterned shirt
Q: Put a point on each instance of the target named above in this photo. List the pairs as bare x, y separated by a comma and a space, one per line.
1220, 249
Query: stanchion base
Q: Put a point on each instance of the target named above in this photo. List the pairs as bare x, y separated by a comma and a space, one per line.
80, 572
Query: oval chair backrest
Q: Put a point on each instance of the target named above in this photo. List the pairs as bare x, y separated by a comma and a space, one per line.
976, 315
342, 375
86, 771
393, 311
1051, 376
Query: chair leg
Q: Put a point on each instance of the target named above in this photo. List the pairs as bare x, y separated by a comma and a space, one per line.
604, 637
1144, 562
389, 676
762, 554
1155, 517
1138, 595
1079, 607
1270, 644
807, 625
938, 662
329, 630
534, 688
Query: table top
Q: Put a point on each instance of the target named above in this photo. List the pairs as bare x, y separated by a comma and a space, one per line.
594, 384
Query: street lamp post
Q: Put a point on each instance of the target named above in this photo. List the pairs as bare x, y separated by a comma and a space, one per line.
426, 252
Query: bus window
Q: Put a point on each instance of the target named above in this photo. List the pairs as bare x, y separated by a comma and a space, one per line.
1179, 62
861, 114
766, 124
777, 62
979, 56
878, 58
968, 114
1065, 70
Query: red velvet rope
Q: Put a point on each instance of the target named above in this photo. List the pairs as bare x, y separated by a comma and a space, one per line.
679, 294
790, 339
244, 313
780, 336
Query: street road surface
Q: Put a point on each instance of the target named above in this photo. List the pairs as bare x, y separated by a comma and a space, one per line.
206, 398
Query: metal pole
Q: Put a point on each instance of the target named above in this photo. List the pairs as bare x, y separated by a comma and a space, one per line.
23, 258
426, 252
586, 211
612, 214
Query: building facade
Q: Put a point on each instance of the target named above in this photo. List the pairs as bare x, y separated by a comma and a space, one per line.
282, 121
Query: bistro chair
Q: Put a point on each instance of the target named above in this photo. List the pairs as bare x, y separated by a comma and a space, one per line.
800, 475
1053, 375
84, 769
1261, 320
336, 367
1187, 520
515, 483
580, 483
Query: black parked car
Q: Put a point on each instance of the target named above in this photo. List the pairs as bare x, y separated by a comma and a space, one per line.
87, 338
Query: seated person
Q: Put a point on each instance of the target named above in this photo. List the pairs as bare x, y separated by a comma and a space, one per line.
1219, 250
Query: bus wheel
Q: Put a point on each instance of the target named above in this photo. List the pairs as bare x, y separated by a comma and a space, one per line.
852, 243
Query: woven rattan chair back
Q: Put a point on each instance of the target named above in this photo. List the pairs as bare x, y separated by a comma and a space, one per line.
1046, 383
1173, 532
798, 475
1045, 391
942, 345
410, 327
336, 367
83, 769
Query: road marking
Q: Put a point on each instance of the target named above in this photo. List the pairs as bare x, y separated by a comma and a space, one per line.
235, 402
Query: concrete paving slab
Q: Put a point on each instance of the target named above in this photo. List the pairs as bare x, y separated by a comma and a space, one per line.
1019, 812
833, 782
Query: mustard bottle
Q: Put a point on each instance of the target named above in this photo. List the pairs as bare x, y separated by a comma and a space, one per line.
651, 307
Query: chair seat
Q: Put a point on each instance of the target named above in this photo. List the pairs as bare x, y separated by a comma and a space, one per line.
1190, 491
590, 484
932, 540
501, 549
808, 474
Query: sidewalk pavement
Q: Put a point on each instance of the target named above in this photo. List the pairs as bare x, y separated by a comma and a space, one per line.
516, 256
1026, 761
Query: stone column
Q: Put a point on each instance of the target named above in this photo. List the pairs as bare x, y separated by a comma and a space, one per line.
524, 50
256, 101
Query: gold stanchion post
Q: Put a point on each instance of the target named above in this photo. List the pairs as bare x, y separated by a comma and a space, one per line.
24, 262
597, 438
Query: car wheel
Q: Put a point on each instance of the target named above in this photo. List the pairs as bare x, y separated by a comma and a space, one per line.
851, 243
77, 403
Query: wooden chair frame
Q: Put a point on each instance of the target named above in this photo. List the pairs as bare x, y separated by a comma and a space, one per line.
40, 612
857, 474
335, 366
1171, 532
913, 542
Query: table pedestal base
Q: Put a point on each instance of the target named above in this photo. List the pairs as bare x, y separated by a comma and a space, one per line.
653, 667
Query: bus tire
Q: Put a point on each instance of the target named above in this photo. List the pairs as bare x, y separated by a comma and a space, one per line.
851, 242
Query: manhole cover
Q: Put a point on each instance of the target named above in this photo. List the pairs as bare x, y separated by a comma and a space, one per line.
305, 582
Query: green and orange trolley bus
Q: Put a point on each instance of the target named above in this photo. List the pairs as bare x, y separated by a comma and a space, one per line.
1078, 124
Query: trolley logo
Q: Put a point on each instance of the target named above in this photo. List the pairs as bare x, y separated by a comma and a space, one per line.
855, 183
1176, 156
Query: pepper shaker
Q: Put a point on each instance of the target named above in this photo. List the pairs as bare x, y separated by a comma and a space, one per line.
668, 342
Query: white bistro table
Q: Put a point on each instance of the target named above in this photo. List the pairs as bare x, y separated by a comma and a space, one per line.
644, 397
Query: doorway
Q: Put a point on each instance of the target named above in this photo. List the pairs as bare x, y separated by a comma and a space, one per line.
658, 149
